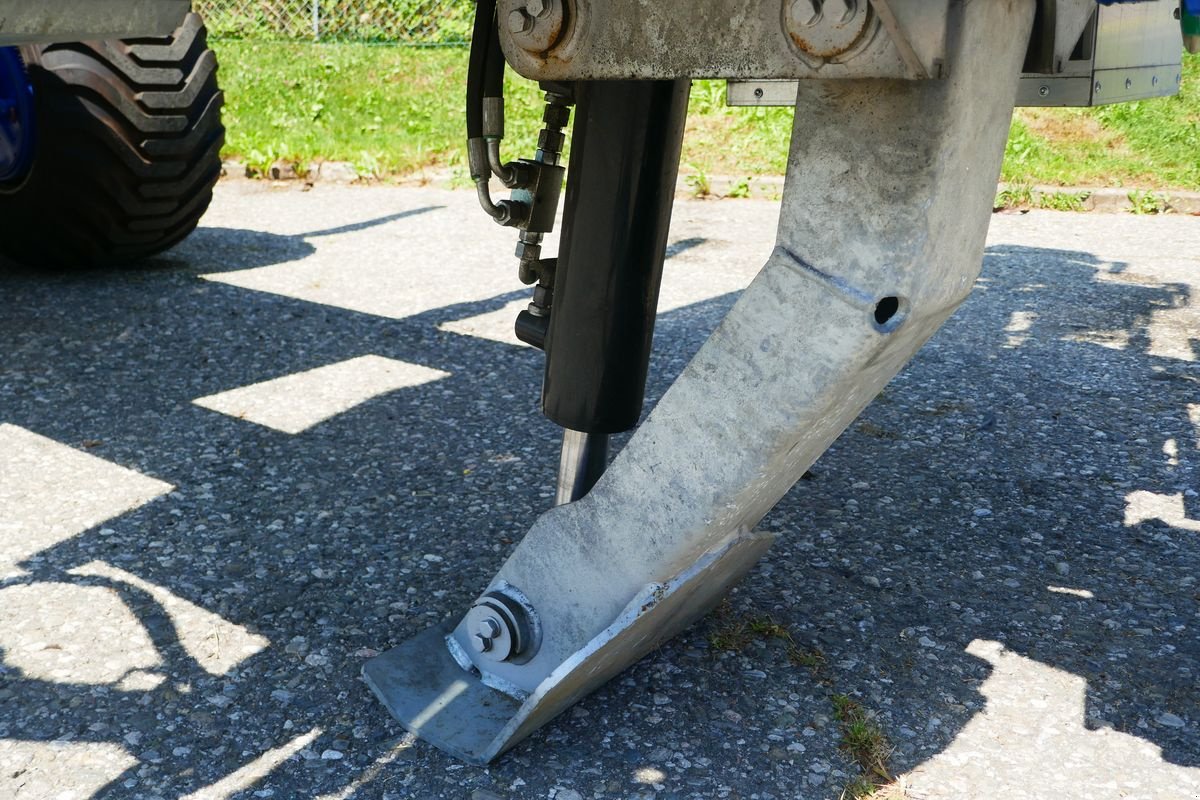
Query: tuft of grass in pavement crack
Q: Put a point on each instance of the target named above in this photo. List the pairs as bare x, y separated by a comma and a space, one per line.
862, 739
734, 633
1024, 196
865, 742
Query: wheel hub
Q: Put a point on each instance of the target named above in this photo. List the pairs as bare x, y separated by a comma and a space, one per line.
16, 117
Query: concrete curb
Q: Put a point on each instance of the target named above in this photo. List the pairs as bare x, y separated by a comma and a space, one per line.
1110, 199
766, 187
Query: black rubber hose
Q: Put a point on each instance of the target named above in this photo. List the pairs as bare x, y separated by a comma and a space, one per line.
493, 76
481, 37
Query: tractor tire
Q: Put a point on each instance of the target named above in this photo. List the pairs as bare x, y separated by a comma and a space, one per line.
126, 154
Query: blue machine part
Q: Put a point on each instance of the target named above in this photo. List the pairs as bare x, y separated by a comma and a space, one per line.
17, 135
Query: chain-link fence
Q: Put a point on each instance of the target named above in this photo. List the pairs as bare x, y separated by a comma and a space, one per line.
399, 22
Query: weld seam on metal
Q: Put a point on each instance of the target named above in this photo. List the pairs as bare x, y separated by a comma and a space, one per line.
459, 654
852, 294
903, 46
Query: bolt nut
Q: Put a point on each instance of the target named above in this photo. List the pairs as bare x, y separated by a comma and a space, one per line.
520, 22
486, 633
538, 25
490, 634
528, 251
1044, 91
556, 116
501, 628
828, 29
807, 12
844, 10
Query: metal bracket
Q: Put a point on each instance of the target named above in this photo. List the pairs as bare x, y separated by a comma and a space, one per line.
881, 236
627, 39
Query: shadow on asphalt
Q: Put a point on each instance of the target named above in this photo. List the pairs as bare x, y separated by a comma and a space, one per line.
459, 468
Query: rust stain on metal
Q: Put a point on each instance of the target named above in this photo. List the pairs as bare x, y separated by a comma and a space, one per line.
829, 40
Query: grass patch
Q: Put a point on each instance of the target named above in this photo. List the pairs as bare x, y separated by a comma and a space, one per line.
1148, 144
1022, 195
398, 111
1148, 203
734, 633
386, 110
862, 739
864, 742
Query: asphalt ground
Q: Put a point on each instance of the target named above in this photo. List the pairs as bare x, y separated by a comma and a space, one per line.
232, 474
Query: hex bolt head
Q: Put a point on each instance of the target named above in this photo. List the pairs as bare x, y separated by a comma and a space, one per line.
807, 12
501, 628
486, 632
537, 8
843, 9
520, 22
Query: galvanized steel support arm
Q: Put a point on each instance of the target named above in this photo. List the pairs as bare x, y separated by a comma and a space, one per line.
881, 236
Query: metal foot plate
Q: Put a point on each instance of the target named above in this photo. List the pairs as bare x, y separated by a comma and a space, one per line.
431, 695
424, 687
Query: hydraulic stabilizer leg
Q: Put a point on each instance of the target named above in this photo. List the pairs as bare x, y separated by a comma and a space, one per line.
881, 236
620, 188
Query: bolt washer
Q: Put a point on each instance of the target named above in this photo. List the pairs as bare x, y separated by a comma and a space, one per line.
500, 629
543, 26
826, 30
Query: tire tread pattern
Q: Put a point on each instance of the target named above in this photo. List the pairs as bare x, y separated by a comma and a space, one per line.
128, 152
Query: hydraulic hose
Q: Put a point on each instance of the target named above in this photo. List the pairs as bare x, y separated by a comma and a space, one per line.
482, 77
493, 74
477, 67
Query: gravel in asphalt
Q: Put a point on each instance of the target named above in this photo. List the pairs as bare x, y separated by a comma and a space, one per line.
232, 474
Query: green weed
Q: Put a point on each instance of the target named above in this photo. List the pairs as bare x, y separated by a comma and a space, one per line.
1023, 196
863, 741
739, 189
697, 180
1147, 203
1019, 195
1063, 201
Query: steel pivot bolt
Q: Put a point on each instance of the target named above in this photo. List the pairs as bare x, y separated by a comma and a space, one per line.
520, 22
486, 632
844, 10
500, 628
807, 12
539, 25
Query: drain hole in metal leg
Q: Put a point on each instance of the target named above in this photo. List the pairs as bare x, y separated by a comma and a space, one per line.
885, 309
